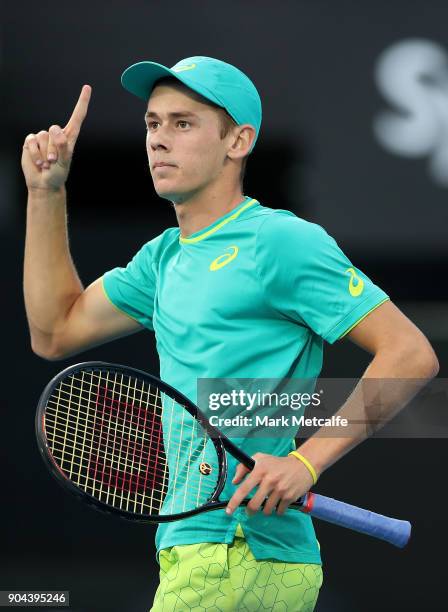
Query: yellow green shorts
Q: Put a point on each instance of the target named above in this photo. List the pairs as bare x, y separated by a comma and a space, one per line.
226, 577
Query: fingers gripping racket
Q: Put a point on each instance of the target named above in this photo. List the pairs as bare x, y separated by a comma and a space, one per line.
129, 444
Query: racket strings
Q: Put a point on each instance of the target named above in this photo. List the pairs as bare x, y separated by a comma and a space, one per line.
146, 445
134, 483
106, 452
146, 452
130, 445
146, 438
126, 463
119, 462
128, 424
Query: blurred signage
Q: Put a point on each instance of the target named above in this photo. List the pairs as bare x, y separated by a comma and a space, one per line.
412, 76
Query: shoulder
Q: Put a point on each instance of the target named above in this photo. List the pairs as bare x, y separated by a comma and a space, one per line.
284, 229
154, 248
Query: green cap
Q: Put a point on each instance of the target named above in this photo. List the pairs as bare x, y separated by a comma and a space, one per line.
213, 79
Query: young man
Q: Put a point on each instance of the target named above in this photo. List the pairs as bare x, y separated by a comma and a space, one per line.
238, 290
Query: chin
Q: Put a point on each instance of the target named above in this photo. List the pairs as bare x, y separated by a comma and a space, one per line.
172, 193
172, 196
165, 189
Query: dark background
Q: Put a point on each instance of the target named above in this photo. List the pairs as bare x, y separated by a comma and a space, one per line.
314, 64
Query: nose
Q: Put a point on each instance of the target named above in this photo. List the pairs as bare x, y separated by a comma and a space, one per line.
159, 139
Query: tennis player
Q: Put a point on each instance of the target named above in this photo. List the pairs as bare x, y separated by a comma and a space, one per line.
238, 289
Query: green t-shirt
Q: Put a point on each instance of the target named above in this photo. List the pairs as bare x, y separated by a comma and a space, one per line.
251, 296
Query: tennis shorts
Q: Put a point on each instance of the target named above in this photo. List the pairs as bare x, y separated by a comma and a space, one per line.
227, 577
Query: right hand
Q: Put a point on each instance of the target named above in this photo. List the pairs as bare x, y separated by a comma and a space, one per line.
46, 156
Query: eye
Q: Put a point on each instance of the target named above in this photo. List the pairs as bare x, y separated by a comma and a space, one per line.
183, 124
151, 125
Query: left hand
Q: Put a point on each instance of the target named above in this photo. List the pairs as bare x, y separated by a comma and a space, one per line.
280, 479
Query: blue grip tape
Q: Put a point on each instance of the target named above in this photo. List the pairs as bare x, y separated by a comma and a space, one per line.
395, 531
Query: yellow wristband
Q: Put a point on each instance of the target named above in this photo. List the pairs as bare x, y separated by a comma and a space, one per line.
305, 462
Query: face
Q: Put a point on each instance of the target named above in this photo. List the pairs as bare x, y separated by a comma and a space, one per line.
185, 151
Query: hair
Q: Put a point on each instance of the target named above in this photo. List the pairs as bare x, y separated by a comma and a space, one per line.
227, 122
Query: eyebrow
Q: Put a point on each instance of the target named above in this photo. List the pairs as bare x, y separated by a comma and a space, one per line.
174, 115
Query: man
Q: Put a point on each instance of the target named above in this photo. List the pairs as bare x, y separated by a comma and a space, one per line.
238, 290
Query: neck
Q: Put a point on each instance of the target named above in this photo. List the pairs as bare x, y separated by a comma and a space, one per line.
202, 209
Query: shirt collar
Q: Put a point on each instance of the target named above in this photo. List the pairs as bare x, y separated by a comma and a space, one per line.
219, 223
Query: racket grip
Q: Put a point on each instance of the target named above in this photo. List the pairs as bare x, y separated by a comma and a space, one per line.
394, 531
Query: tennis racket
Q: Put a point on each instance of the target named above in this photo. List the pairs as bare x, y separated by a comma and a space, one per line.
128, 444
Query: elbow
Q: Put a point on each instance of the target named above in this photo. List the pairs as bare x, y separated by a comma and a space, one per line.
425, 360
48, 352
411, 357
433, 365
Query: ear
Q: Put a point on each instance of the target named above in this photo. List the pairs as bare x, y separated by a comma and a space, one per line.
243, 137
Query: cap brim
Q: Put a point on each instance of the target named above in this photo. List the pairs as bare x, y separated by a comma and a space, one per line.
140, 78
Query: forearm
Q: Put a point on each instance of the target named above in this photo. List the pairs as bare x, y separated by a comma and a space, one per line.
51, 283
389, 383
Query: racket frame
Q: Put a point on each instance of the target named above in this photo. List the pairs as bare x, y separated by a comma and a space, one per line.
218, 439
394, 531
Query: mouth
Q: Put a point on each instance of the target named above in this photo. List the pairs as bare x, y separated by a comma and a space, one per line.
162, 165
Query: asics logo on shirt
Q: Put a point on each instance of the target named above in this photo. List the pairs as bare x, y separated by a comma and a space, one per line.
223, 260
355, 288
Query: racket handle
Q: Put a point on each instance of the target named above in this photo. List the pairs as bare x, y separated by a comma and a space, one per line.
391, 530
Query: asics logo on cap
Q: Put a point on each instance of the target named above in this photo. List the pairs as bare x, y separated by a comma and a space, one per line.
182, 68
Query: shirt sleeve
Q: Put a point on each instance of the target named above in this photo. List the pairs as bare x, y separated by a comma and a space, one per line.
307, 277
132, 289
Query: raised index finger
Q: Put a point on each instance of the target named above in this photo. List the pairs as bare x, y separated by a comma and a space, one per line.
79, 113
